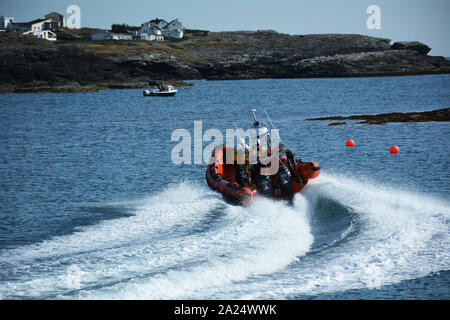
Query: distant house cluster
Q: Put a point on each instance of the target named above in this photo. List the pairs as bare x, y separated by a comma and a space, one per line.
40, 28
154, 30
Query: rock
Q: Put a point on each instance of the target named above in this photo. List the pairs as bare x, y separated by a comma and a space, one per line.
412, 45
28, 62
434, 115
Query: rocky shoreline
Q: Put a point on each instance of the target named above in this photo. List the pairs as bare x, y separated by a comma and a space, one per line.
434, 115
28, 64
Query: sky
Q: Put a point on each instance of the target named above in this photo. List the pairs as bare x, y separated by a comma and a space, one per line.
426, 21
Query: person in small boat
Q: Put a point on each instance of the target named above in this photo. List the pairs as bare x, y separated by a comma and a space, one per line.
162, 86
249, 175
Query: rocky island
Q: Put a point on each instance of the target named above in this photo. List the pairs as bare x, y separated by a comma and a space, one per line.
28, 64
434, 115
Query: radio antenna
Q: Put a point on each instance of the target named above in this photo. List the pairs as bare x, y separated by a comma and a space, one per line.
273, 127
242, 141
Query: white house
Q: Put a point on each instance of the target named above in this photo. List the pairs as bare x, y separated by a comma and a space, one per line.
52, 21
37, 28
106, 35
173, 29
40, 28
39, 25
42, 34
5, 22
150, 31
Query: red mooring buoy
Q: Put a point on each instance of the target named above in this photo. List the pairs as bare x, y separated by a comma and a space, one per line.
350, 143
394, 150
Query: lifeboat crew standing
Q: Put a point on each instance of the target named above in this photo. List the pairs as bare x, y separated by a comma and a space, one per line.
263, 183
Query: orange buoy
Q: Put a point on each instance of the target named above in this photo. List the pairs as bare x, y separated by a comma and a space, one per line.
394, 150
350, 143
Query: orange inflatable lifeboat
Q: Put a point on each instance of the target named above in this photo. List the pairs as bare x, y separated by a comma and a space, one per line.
221, 176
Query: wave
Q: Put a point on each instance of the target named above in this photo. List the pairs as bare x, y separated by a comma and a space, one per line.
186, 242
394, 235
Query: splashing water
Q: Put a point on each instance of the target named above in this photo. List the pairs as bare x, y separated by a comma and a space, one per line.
186, 242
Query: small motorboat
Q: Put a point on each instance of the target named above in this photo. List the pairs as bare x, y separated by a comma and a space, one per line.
161, 91
291, 177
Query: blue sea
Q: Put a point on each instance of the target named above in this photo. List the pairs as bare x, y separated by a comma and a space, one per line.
92, 207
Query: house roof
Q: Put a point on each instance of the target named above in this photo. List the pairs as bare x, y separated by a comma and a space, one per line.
156, 21
174, 20
38, 21
152, 25
30, 23
54, 13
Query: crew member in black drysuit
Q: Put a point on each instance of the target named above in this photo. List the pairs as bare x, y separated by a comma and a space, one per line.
264, 183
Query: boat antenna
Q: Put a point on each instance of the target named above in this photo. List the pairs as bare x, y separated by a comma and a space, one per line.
256, 122
241, 141
273, 127
289, 155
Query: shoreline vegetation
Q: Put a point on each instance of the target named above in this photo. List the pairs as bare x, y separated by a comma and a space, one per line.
76, 64
434, 115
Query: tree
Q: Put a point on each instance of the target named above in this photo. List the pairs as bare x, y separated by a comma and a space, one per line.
122, 28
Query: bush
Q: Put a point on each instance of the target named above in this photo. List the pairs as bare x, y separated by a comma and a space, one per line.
196, 32
122, 28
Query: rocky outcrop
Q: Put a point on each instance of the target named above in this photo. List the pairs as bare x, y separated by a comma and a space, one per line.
29, 64
434, 115
412, 45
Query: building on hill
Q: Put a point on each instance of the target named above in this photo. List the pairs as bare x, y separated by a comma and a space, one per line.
160, 23
57, 20
173, 29
5, 22
37, 28
52, 21
150, 31
35, 25
162, 28
40, 28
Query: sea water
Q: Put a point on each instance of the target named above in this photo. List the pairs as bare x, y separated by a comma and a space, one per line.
92, 207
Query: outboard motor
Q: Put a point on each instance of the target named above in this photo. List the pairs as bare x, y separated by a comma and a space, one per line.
285, 180
264, 185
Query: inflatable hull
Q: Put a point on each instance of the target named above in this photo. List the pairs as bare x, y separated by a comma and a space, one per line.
221, 176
